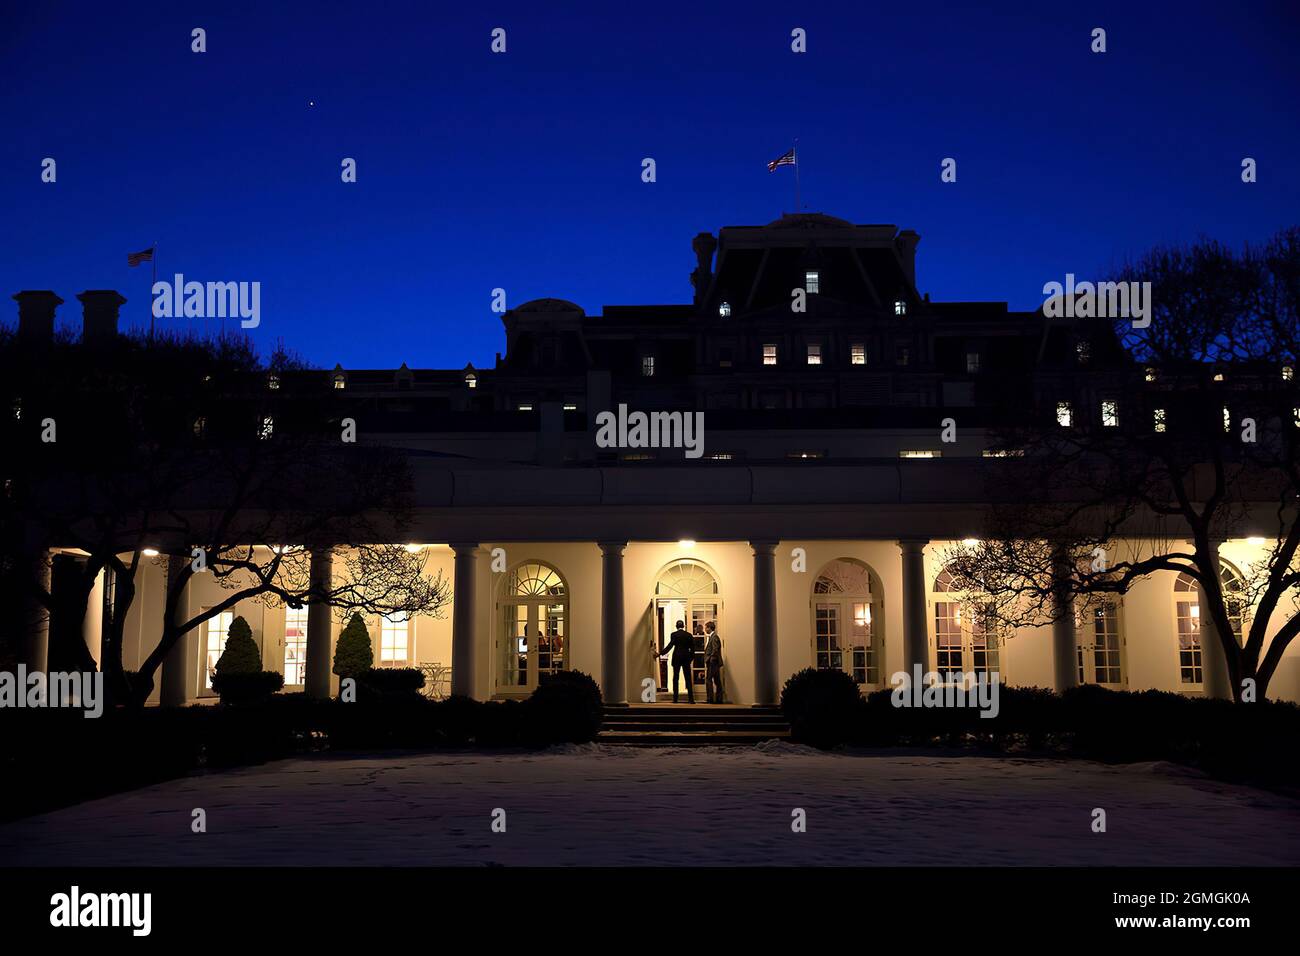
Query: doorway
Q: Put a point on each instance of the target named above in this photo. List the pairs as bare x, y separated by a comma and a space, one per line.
532, 633
685, 591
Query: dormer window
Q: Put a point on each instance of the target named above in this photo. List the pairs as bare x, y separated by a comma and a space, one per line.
811, 281
900, 307
724, 309
647, 365
525, 406
471, 380
340, 381
858, 353
814, 354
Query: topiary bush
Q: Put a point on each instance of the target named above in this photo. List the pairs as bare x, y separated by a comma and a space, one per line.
247, 688
241, 655
353, 655
566, 707
823, 706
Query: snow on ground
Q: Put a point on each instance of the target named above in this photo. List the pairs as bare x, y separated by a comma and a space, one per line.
601, 805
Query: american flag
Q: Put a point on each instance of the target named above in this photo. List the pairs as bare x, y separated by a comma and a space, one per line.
133, 259
785, 159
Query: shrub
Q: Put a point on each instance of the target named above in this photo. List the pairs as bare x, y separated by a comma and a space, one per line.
824, 707
353, 655
384, 682
566, 707
240, 688
241, 655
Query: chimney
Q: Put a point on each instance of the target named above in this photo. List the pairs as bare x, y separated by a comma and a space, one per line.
704, 244
36, 315
99, 316
906, 243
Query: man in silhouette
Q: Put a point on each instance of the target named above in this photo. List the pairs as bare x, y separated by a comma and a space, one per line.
683, 650
713, 664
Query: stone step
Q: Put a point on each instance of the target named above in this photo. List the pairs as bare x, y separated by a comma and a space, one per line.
766, 727
689, 739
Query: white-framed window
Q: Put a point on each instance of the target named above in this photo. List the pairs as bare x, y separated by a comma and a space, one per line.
647, 365
393, 645
215, 631
340, 381
900, 307
1064, 414
1227, 419
962, 643
471, 380
1101, 648
920, 453
858, 353
268, 427
724, 309
295, 646
814, 354
769, 353
1110, 414
972, 363
842, 622
811, 281
1160, 420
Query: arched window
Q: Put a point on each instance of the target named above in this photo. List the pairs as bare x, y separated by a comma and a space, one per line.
1187, 618
533, 636
962, 641
844, 628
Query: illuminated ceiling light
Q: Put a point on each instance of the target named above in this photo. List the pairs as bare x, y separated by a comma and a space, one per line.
413, 548
150, 552
1256, 541
686, 543
970, 542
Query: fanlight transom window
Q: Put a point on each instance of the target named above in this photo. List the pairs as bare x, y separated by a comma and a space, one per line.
1234, 597
535, 580
843, 577
685, 579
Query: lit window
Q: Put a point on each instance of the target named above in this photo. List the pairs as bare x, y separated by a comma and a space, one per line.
1218, 376
392, 640
919, 453
1288, 373
268, 428
724, 310
647, 365
1083, 351
1227, 419
722, 456
471, 380
1004, 453
814, 355
295, 646
811, 281
525, 407
900, 307
1158, 417
1064, 416
1151, 374
570, 408
1110, 414
858, 353
769, 354
972, 363
273, 381
1295, 413
215, 631
340, 380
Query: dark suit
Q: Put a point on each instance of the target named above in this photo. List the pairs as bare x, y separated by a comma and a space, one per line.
683, 649
713, 669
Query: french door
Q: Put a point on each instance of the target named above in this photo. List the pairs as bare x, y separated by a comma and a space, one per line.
533, 643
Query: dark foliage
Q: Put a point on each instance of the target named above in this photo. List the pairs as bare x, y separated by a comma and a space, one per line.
353, 654
243, 688
823, 706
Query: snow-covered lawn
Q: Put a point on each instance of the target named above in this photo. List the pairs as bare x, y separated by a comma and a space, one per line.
612, 806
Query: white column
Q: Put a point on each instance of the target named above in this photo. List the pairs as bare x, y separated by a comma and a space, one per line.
1065, 640
179, 663
319, 664
1215, 665
916, 640
613, 636
766, 680
36, 617
462, 620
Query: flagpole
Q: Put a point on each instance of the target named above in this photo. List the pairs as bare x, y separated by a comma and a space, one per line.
797, 207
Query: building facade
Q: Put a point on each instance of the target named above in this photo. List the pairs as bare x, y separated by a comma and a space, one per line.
808, 517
